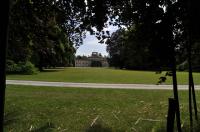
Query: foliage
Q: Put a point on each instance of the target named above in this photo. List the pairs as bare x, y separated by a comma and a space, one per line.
20, 68
126, 50
60, 24
96, 64
37, 34
182, 58
81, 57
151, 36
115, 48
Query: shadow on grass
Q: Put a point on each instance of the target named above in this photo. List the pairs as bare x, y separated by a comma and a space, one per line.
52, 70
48, 127
185, 128
10, 118
161, 129
196, 127
98, 128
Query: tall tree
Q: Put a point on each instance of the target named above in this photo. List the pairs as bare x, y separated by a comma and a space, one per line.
4, 12
193, 33
115, 48
157, 22
37, 31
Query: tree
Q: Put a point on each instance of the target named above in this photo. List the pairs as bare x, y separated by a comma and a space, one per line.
39, 34
3, 41
157, 27
115, 48
127, 49
193, 32
19, 32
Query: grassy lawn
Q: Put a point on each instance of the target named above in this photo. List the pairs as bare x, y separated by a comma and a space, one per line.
102, 75
41, 109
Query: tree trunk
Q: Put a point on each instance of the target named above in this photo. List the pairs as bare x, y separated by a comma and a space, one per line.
192, 96
175, 90
191, 83
4, 6
171, 114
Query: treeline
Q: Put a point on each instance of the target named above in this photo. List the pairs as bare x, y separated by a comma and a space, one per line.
129, 49
38, 37
43, 33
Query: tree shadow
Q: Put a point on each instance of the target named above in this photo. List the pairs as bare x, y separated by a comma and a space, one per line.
196, 127
98, 128
51, 70
161, 129
48, 127
10, 118
185, 128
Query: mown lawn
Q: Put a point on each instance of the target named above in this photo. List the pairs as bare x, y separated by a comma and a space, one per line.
102, 75
46, 109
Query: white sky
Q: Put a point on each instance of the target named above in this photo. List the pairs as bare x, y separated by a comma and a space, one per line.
90, 44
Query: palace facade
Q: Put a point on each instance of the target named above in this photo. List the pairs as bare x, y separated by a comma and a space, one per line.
95, 59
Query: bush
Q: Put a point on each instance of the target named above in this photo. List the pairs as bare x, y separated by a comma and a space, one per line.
96, 64
20, 68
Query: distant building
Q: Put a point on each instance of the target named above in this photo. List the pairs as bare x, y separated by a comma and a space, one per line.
95, 60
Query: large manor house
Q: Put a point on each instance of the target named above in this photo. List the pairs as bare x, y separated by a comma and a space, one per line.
94, 58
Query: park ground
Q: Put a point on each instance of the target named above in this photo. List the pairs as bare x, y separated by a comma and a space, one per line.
56, 109
103, 75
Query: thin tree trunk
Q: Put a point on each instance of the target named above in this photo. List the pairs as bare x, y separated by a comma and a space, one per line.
192, 95
175, 90
4, 7
190, 107
173, 61
194, 101
191, 83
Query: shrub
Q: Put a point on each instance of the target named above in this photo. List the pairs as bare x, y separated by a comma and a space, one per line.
20, 68
96, 64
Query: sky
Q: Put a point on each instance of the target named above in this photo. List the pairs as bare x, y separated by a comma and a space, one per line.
90, 44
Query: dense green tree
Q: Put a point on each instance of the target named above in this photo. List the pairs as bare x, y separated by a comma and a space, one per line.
115, 48
127, 50
36, 30
19, 36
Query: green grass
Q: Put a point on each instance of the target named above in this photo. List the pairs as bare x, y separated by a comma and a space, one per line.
102, 75
56, 109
